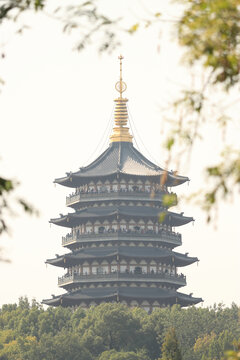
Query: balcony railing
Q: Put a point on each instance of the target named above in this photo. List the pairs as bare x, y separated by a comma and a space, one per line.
169, 237
105, 195
75, 278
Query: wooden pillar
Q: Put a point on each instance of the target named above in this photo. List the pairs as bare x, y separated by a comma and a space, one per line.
118, 264
148, 268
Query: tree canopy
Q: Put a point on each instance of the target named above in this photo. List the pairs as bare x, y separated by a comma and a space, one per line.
113, 331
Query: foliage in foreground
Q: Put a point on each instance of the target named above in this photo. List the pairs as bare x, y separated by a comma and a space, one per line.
115, 332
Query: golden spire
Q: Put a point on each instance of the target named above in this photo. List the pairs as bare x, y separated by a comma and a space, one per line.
120, 132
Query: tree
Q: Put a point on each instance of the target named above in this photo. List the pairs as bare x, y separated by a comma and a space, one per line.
170, 348
123, 355
211, 346
107, 327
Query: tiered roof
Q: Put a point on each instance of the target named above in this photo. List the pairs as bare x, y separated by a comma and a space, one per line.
122, 160
124, 293
108, 212
130, 252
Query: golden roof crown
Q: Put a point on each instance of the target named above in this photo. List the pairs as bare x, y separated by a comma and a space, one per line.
120, 131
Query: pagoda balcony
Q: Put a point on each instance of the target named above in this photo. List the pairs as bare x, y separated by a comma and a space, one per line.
164, 236
68, 280
73, 199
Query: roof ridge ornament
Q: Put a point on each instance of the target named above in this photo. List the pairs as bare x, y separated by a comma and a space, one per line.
120, 131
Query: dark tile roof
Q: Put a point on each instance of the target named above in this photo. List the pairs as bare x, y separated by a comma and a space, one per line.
170, 218
130, 293
143, 252
120, 157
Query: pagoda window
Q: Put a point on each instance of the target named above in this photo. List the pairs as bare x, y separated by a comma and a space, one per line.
148, 188
146, 306
133, 303
123, 186
123, 269
130, 187
133, 268
107, 188
92, 303
107, 227
115, 186
114, 226
123, 228
103, 269
86, 270
132, 225
153, 269
91, 188
114, 268
124, 303
101, 229
95, 270
88, 228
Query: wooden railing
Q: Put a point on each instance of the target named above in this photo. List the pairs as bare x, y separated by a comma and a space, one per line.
68, 279
171, 237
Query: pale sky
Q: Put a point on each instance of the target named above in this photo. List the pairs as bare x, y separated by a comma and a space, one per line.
55, 106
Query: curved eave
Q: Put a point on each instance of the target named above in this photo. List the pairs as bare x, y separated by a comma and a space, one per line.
65, 181
76, 179
150, 294
168, 218
174, 180
58, 261
181, 260
188, 300
167, 256
124, 159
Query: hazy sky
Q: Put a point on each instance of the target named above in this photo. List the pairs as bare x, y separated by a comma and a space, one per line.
55, 107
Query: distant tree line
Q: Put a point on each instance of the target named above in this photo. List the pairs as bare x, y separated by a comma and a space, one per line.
115, 332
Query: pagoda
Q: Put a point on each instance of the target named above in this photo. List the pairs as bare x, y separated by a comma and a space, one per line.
121, 234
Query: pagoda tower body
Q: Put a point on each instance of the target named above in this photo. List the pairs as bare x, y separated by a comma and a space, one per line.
121, 236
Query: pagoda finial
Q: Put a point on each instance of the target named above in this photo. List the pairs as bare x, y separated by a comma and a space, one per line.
121, 86
120, 132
